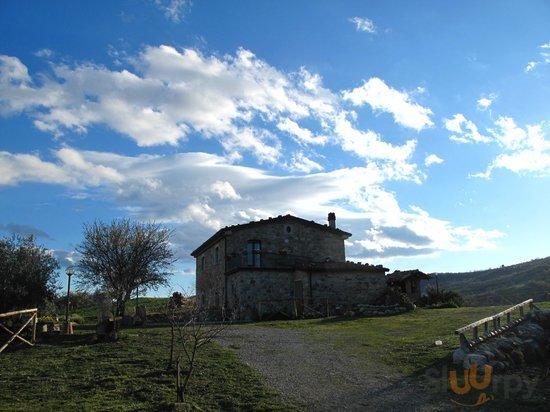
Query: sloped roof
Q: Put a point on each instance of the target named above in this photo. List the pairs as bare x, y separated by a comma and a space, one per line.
400, 276
279, 219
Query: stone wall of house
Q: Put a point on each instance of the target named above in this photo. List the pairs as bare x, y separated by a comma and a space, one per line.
210, 279
254, 294
282, 239
348, 287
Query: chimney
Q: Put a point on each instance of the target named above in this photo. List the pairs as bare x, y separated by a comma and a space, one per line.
332, 220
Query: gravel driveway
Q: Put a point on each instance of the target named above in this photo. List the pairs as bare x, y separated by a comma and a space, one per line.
323, 378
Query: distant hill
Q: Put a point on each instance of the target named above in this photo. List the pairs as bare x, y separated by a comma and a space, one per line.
501, 286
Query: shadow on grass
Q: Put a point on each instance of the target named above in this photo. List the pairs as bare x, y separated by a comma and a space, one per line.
68, 340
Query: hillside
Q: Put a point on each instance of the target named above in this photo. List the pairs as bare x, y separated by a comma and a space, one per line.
501, 286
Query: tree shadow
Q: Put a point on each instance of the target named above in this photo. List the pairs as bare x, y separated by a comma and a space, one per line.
77, 339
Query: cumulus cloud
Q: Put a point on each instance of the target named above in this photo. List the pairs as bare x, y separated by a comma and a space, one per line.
432, 160
363, 24
525, 151
167, 96
384, 98
170, 94
369, 144
465, 131
224, 190
300, 134
484, 103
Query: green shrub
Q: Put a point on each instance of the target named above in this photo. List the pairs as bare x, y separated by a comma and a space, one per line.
443, 298
76, 318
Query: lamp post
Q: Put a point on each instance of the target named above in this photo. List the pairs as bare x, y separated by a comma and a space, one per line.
68, 329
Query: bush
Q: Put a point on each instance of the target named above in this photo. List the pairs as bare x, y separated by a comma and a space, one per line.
443, 299
28, 274
76, 318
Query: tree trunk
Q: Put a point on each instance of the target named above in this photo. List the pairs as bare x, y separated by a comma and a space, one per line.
172, 331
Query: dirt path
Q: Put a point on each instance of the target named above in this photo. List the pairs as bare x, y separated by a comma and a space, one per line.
323, 378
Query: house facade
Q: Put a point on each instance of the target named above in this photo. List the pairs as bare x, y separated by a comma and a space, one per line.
283, 266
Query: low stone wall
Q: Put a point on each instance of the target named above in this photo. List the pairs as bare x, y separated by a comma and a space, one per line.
527, 343
372, 310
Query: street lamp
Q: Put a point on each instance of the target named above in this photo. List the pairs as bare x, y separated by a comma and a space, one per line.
68, 329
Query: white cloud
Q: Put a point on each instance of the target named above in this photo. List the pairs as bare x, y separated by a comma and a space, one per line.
432, 160
45, 53
224, 190
71, 169
530, 66
381, 97
543, 59
263, 144
525, 151
363, 24
301, 163
300, 134
484, 103
174, 10
199, 193
508, 134
168, 96
465, 130
369, 144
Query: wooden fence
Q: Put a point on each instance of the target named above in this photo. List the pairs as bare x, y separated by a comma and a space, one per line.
493, 325
33, 318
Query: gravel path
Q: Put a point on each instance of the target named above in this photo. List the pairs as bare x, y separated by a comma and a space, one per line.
323, 378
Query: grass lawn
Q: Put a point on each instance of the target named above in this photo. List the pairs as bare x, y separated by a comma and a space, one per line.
403, 343
71, 373
68, 373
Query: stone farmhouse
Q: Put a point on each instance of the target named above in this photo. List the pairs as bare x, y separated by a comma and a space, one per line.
283, 266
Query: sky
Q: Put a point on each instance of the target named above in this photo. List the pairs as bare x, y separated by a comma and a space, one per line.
425, 126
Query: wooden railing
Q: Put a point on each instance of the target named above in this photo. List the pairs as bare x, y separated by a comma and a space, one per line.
493, 325
33, 319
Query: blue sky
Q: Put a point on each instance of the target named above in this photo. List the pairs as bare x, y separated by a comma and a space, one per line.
424, 125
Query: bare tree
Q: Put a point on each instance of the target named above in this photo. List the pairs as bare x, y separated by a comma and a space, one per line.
193, 331
122, 256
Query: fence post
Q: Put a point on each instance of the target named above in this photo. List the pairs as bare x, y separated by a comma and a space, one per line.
35, 321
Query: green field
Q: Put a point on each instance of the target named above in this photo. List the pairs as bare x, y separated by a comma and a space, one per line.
66, 373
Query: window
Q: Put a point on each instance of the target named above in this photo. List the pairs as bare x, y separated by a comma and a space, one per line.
253, 253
